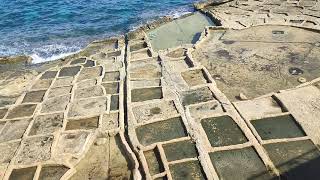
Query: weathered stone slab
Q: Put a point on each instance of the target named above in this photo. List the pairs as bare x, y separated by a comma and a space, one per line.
23, 173
78, 61
195, 77
142, 54
5, 101
14, 130
111, 88
258, 108
87, 123
86, 83
42, 84
278, 127
46, 124
72, 143
141, 83
111, 76
54, 92
152, 111
139, 95
21, 111
88, 107
67, 81
93, 91
34, 96
161, 131
110, 121
295, 160
3, 113
69, 71
239, 164
223, 131
187, 170
49, 75
206, 109
199, 95
8, 150
52, 172
180, 150
55, 104
154, 162
138, 46
145, 69
90, 73
35, 150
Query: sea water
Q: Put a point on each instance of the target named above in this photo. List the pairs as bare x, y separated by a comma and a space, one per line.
49, 29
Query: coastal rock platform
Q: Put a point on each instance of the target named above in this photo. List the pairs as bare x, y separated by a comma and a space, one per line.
242, 102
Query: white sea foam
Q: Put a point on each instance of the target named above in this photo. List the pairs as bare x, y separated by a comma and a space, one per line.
37, 59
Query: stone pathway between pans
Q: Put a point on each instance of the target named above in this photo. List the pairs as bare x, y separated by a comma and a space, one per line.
243, 102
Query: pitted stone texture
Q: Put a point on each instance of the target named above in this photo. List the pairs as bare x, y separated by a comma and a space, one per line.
72, 143
206, 109
195, 77
55, 104
152, 111
67, 81
14, 130
90, 73
111, 76
34, 96
69, 71
22, 111
258, 108
42, 84
141, 54
93, 91
86, 123
23, 173
8, 150
295, 160
86, 83
88, 107
195, 96
52, 172
239, 164
223, 131
139, 95
111, 88
145, 69
55, 92
161, 131
35, 149
187, 170
110, 121
46, 124
49, 75
3, 112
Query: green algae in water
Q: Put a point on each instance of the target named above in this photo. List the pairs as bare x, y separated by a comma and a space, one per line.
190, 170
239, 164
223, 131
180, 150
278, 127
161, 131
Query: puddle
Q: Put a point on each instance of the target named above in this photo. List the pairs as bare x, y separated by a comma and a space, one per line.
88, 123
161, 131
139, 95
196, 96
187, 170
223, 131
154, 161
52, 172
23, 173
180, 150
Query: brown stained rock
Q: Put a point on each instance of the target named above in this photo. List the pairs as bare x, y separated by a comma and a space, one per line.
87, 123
195, 77
87, 92
114, 104
111, 88
111, 76
55, 104
14, 130
34, 96
22, 111
49, 75
90, 73
42, 84
23, 173
152, 111
3, 113
88, 107
55, 92
69, 71
110, 121
46, 124
8, 150
139, 95
72, 143
52, 172
67, 81
35, 149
